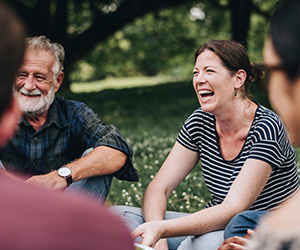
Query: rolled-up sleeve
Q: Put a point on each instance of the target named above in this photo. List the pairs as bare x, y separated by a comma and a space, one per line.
93, 132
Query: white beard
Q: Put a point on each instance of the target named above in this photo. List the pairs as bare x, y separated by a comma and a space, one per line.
37, 106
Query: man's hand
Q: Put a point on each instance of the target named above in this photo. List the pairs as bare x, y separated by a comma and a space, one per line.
51, 180
236, 242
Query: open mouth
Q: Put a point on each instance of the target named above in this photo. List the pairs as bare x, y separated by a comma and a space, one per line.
31, 96
205, 93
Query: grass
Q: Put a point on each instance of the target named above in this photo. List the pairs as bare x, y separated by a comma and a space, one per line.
120, 83
150, 118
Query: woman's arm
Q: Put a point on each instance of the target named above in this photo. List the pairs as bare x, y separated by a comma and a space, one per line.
244, 191
176, 167
178, 164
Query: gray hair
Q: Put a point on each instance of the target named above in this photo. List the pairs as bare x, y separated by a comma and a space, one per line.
44, 43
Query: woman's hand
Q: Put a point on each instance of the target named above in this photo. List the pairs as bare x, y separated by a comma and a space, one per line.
150, 232
162, 244
236, 242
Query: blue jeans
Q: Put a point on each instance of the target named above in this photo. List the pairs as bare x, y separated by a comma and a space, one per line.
1, 165
133, 218
243, 221
97, 186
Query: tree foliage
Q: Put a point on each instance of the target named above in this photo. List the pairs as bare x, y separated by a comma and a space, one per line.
158, 43
144, 36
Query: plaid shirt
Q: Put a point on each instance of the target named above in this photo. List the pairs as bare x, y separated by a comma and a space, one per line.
70, 129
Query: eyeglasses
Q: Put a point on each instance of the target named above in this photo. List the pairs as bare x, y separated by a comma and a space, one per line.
292, 70
283, 66
272, 68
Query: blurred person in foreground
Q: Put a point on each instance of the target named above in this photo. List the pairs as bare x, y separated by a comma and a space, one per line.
33, 217
246, 158
280, 229
54, 133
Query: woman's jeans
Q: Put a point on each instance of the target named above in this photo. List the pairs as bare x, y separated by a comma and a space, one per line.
132, 218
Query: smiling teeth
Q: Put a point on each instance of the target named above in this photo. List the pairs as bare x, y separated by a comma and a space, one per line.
204, 92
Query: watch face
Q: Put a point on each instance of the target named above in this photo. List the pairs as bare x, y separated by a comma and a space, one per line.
64, 171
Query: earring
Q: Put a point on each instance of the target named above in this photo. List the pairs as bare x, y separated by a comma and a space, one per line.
235, 92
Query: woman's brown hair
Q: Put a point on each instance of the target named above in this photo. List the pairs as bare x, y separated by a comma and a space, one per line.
234, 57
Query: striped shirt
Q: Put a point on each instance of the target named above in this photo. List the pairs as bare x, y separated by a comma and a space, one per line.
267, 141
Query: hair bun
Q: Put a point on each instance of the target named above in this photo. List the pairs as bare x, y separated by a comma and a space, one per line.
256, 72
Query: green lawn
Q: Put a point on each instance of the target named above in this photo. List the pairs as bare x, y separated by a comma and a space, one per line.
150, 118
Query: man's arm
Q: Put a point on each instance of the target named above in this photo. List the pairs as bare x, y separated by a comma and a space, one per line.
101, 161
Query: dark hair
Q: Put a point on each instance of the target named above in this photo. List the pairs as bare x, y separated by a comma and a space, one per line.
285, 36
234, 57
12, 46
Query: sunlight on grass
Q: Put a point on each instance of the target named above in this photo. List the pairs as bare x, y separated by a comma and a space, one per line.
121, 83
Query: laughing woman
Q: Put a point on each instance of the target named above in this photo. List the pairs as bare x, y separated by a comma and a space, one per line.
246, 158
281, 229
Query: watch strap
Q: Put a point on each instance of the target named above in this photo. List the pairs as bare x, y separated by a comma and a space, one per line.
69, 180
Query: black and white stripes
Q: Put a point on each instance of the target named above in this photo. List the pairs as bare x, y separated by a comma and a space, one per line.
267, 141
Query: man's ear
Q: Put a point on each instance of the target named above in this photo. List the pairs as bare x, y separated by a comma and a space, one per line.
59, 80
9, 121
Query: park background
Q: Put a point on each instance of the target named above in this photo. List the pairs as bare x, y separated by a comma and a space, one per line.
131, 61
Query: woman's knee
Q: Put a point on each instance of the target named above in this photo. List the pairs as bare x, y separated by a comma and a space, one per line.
208, 241
132, 216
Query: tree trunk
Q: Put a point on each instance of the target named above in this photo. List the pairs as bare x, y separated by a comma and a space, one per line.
240, 20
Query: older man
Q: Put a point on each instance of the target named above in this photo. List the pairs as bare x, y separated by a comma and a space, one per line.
34, 217
54, 133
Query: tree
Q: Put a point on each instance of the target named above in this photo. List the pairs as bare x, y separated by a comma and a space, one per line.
79, 25
159, 43
241, 11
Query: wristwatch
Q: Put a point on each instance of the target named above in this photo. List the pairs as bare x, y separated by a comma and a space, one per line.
66, 173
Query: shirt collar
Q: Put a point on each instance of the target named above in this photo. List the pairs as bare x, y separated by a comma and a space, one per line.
56, 115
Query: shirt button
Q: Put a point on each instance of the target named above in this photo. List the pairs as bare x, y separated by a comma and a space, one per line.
33, 163
35, 138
